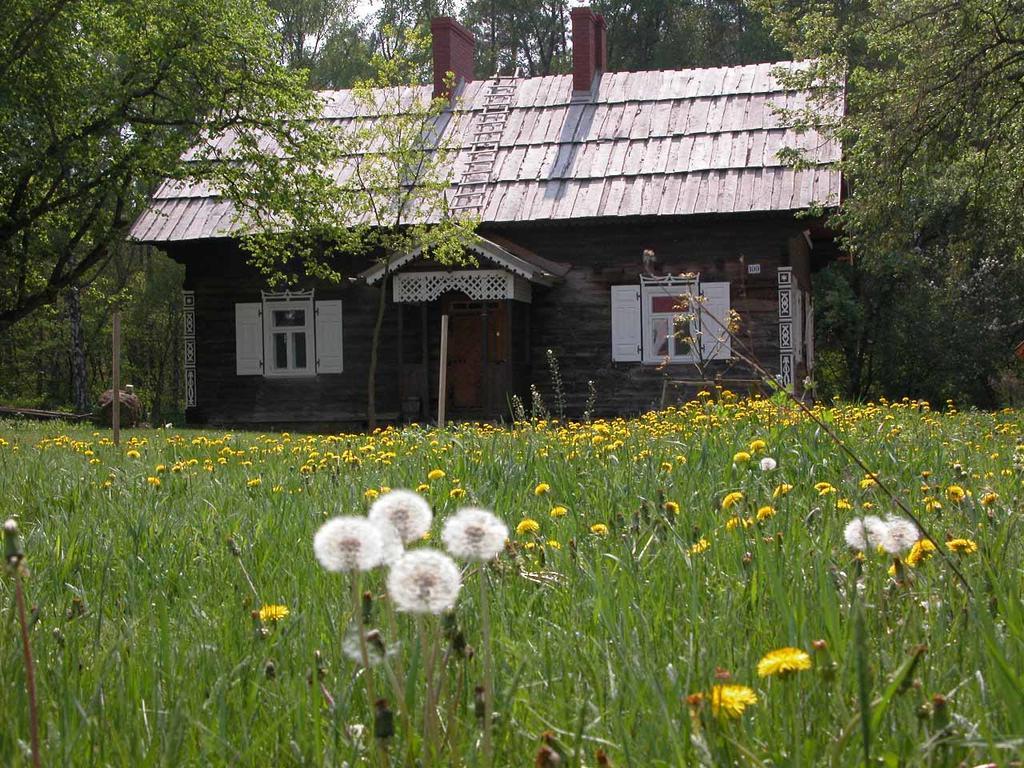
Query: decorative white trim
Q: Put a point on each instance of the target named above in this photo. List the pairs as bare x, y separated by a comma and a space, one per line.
787, 358
477, 284
483, 248
188, 317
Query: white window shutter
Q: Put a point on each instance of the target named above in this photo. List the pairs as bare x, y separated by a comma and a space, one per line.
249, 339
716, 344
328, 337
626, 329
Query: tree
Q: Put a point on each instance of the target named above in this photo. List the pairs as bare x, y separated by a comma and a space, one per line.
932, 130
388, 170
100, 99
531, 36
324, 38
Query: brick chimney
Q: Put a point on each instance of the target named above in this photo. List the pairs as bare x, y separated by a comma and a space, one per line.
589, 53
453, 49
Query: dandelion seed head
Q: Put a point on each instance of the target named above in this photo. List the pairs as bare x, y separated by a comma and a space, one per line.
348, 544
865, 533
768, 464
424, 581
408, 512
902, 534
391, 542
474, 534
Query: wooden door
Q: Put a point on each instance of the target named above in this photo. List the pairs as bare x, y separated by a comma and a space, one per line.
478, 350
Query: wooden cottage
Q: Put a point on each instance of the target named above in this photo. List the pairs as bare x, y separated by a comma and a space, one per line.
607, 201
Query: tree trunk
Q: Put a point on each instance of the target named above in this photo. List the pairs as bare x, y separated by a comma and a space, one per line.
371, 384
79, 379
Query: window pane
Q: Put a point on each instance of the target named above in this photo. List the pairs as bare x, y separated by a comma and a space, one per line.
289, 318
280, 351
299, 349
681, 332
678, 303
659, 336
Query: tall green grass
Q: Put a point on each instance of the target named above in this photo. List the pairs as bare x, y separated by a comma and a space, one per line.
148, 655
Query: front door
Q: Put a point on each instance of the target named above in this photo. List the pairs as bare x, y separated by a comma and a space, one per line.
478, 343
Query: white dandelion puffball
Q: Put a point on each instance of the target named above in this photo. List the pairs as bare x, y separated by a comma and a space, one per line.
867, 533
424, 581
391, 542
348, 544
474, 534
902, 533
768, 464
408, 512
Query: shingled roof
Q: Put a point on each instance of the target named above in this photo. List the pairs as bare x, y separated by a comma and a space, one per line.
661, 143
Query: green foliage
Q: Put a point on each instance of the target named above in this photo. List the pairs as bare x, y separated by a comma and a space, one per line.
931, 137
143, 610
35, 353
99, 100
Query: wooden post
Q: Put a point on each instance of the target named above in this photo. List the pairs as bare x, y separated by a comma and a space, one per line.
115, 405
442, 374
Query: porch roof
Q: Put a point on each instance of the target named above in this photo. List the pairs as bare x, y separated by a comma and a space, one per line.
536, 270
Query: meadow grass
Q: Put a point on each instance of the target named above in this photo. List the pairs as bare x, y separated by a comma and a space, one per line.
611, 623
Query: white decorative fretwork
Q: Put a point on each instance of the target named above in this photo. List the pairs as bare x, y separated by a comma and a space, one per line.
477, 284
188, 314
786, 353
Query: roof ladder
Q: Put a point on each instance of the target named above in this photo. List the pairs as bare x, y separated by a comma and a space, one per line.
471, 191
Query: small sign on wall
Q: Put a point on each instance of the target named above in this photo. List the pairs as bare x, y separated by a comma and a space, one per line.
753, 269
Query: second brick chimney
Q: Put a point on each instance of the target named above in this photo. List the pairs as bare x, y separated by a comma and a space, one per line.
589, 52
453, 50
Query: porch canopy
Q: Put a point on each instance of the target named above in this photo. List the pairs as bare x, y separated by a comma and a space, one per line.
512, 279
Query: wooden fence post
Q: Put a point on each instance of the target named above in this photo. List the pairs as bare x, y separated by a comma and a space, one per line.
115, 405
442, 374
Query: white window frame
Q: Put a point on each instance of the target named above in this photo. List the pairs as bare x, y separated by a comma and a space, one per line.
289, 300
675, 287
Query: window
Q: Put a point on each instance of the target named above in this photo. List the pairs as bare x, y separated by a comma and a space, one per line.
670, 320
288, 335
678, 320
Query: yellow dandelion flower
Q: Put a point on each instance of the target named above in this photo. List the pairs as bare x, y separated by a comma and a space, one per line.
671, 507
931, 504
781, 490
599, 528
731, 700
527, 525
765, 512
553, 544
541, 489
867, 483
955, 493
422, 488
436, 474
254, 483
666, 466
843, 504
962, 546
783, 662
699, 546
160, 468
154, 481
277, 489
133, 454
732, 499
824, 489
559, 511
756, 446
990, 498
456, 493
371, 493
273, 613
921, 551
740, 457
